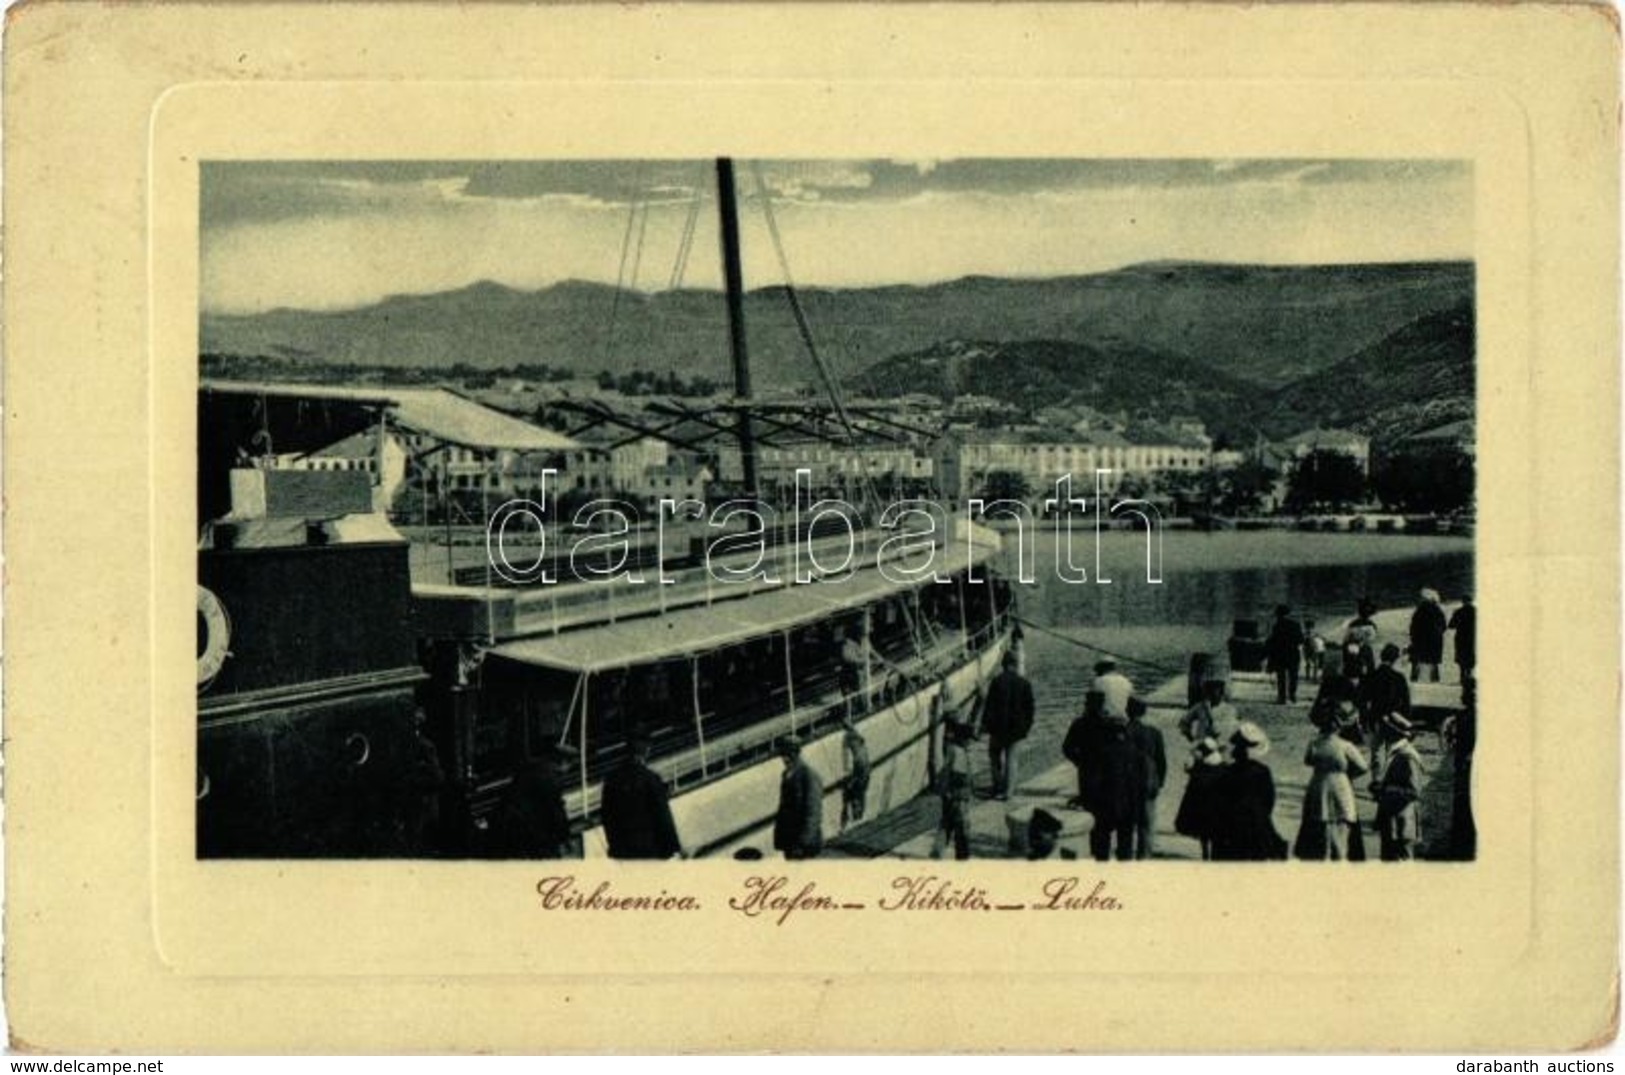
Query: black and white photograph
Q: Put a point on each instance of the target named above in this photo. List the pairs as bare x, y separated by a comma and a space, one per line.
867, 509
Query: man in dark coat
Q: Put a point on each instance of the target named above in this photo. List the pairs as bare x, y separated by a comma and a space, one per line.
1081, 743
636, 811
1384, 691
1381, 693
1148, 740
1114, 779
1285, 649
1427, 636
1465, 623
532, 820
1007, 717
798, 830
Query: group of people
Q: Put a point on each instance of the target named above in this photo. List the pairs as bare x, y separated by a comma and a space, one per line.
1122, 764
1293, 645
1363, 730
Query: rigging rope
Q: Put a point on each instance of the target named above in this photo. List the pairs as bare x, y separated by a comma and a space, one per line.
832, 386
620, 270
685, 242
637, 252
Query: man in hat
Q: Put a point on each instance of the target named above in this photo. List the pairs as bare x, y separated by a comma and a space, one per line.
1111, 688
532, 822
637, 811
1007, 718
1427, 636
1284, 648
1148, 740
1113, 779
1382, 692
798, 830
1464, 621
1398, 792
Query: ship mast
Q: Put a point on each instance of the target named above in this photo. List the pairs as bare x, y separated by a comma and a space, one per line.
734, 279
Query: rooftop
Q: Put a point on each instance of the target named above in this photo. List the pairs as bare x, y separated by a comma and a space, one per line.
436, 412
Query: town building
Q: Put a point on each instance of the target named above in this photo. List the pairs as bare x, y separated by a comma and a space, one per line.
1338, 441
966, 459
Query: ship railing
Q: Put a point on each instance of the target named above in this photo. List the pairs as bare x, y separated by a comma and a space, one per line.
742, 740
550, 609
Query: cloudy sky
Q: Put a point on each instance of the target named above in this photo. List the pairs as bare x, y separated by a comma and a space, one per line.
326, 235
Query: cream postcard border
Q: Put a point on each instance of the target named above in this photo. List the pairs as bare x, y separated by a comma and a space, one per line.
307, 944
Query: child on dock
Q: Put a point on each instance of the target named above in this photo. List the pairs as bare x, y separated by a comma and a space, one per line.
1199, 806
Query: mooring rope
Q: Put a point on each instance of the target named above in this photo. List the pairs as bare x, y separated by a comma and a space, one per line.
1081, 644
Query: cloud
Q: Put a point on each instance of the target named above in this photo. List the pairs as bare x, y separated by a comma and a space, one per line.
329, 233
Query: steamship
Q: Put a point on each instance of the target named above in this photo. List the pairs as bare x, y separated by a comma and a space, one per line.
346, 709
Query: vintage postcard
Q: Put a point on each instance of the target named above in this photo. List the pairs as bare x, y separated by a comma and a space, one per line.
751, 506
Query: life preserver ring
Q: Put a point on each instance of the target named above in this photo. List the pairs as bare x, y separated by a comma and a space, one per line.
217, 632
359, 748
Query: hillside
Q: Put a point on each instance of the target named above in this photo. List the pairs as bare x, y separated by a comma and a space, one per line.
1040, 373
1265, 324
1418, 377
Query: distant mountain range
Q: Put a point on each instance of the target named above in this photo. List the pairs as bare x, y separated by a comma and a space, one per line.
1417, 377
1263, 324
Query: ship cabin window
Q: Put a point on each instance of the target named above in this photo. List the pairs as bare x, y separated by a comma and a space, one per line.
526, 709
656, 698
742, 684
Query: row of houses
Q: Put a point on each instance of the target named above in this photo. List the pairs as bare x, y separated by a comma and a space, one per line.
422, 451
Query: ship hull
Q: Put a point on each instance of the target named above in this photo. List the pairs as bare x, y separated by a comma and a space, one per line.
735, 813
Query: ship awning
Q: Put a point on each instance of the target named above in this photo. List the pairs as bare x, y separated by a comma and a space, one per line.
436, 412
689, 632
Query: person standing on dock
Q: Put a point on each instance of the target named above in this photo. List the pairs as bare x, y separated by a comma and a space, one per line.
1359, 643
532, 822
1148, 740
1383, 692
1465, 623
637, 809
1245, 792
1113, 778
1007, 718
1329, 811
954, 789
798, 830
1284, 649
1314, 651
1427, 637
1398, 792
1113, 689
1199, 809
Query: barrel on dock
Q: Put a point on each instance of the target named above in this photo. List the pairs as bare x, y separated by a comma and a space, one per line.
1076, 824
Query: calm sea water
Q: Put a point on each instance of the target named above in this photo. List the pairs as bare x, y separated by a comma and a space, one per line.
1211, 579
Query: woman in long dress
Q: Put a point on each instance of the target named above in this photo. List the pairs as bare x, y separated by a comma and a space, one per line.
1246, 798
1329, 810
